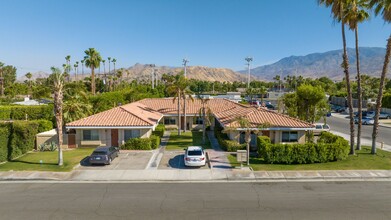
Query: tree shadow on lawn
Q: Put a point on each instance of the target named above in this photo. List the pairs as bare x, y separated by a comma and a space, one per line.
29, 162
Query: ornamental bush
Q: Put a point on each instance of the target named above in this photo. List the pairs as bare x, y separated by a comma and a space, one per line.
35, 112
22, 138
155, 141
44, 125
262, 142
137, 144
159, 130
5, 132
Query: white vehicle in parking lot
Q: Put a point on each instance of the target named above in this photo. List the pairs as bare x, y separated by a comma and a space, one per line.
195, 156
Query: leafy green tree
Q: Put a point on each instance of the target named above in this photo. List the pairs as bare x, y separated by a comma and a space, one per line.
382, 7
308, 103
9, 77
77, 106
93, 59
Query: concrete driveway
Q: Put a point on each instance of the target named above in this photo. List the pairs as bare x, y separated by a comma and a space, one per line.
127, 160
174, 160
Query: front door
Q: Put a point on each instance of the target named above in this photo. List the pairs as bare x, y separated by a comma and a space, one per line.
114, 137
71, 141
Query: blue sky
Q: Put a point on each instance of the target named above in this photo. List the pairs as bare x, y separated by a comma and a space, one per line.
37, 34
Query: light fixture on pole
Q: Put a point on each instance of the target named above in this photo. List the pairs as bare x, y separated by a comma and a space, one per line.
248, 59
185, 61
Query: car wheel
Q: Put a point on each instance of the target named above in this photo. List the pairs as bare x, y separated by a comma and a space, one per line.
110, 160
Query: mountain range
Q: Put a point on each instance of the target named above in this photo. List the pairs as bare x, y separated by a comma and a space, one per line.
313, 65
326, 64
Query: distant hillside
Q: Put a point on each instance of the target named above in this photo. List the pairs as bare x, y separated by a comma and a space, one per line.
140, 71
35, 76
324, 64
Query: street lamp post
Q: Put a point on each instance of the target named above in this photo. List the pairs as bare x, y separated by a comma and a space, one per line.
248, 59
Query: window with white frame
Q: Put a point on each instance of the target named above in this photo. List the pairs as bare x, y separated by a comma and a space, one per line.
133, 133
90, 135
169, 121
289, 136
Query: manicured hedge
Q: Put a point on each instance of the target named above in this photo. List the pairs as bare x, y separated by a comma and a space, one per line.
5, 131
22, 138
137, 144
159, 130
44, 125
262, 142
155, 141
225, 143
16, 112
329, 148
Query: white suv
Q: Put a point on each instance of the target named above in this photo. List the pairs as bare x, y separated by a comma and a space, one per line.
195, 156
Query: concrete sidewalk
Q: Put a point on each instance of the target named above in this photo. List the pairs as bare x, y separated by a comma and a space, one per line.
199, 175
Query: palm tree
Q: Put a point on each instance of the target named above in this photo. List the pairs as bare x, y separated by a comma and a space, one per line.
58, 86
92, 61
337, 9
119, 75
66, 74
382, 7
68, 62
76, 105
28, 76
175, 88
109, 59
204, 112
104, 67
1, 79
262, 92
82, 67
114, 61
186, 92
277, 78
355, 13
75, 66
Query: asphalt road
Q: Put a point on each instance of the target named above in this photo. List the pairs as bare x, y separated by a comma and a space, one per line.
310, 200
342, 125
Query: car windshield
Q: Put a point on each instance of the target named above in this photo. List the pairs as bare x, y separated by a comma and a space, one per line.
318, 126
99, 152
194, 153
326, 127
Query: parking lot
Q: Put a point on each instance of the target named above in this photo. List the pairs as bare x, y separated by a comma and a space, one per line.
174, 160
125, 161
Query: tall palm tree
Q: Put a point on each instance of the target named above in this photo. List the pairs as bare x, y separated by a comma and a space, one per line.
114, 61
382, 7
175, 88
355, 13
92, 61
82, 67
337, 10
28, 76
109, 59
68, 63
76, 105
119, 75
75, 66
66, 73
186, 93
262, 92
1, 79
277, 78
58, 85
204, 112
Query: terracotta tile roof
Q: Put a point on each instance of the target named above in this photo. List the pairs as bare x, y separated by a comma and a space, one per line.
147, 112
133, 114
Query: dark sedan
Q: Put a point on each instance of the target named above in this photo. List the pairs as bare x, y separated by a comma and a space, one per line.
104, 155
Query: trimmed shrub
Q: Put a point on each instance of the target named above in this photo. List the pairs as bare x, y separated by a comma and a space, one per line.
5, 132
232, 146
22, 138
5, 112
44, 125
159, 130
137, 144
305, 153
262, 142
155, 141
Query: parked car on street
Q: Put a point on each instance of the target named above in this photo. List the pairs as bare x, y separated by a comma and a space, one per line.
382, 115
194, 156
319, 127
104, 155
365, 120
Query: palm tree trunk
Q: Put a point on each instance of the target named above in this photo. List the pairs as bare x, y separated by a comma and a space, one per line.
58, 101
184, 112
345, 65
380, 95
179, 113
92, 81
203, 124
358, 147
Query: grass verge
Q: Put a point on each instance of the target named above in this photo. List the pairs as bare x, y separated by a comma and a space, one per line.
363, 160
31, 161
189, 138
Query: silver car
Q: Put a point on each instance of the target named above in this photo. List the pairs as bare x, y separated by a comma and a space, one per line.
365, 120
195, 156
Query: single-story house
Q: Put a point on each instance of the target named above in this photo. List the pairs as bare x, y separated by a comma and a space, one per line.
138, 119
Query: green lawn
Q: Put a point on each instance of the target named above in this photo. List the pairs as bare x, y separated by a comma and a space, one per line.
189, 138
31, 161
363, 160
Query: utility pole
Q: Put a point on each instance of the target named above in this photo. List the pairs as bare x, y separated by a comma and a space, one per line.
152, 75
248, 59
185, 61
